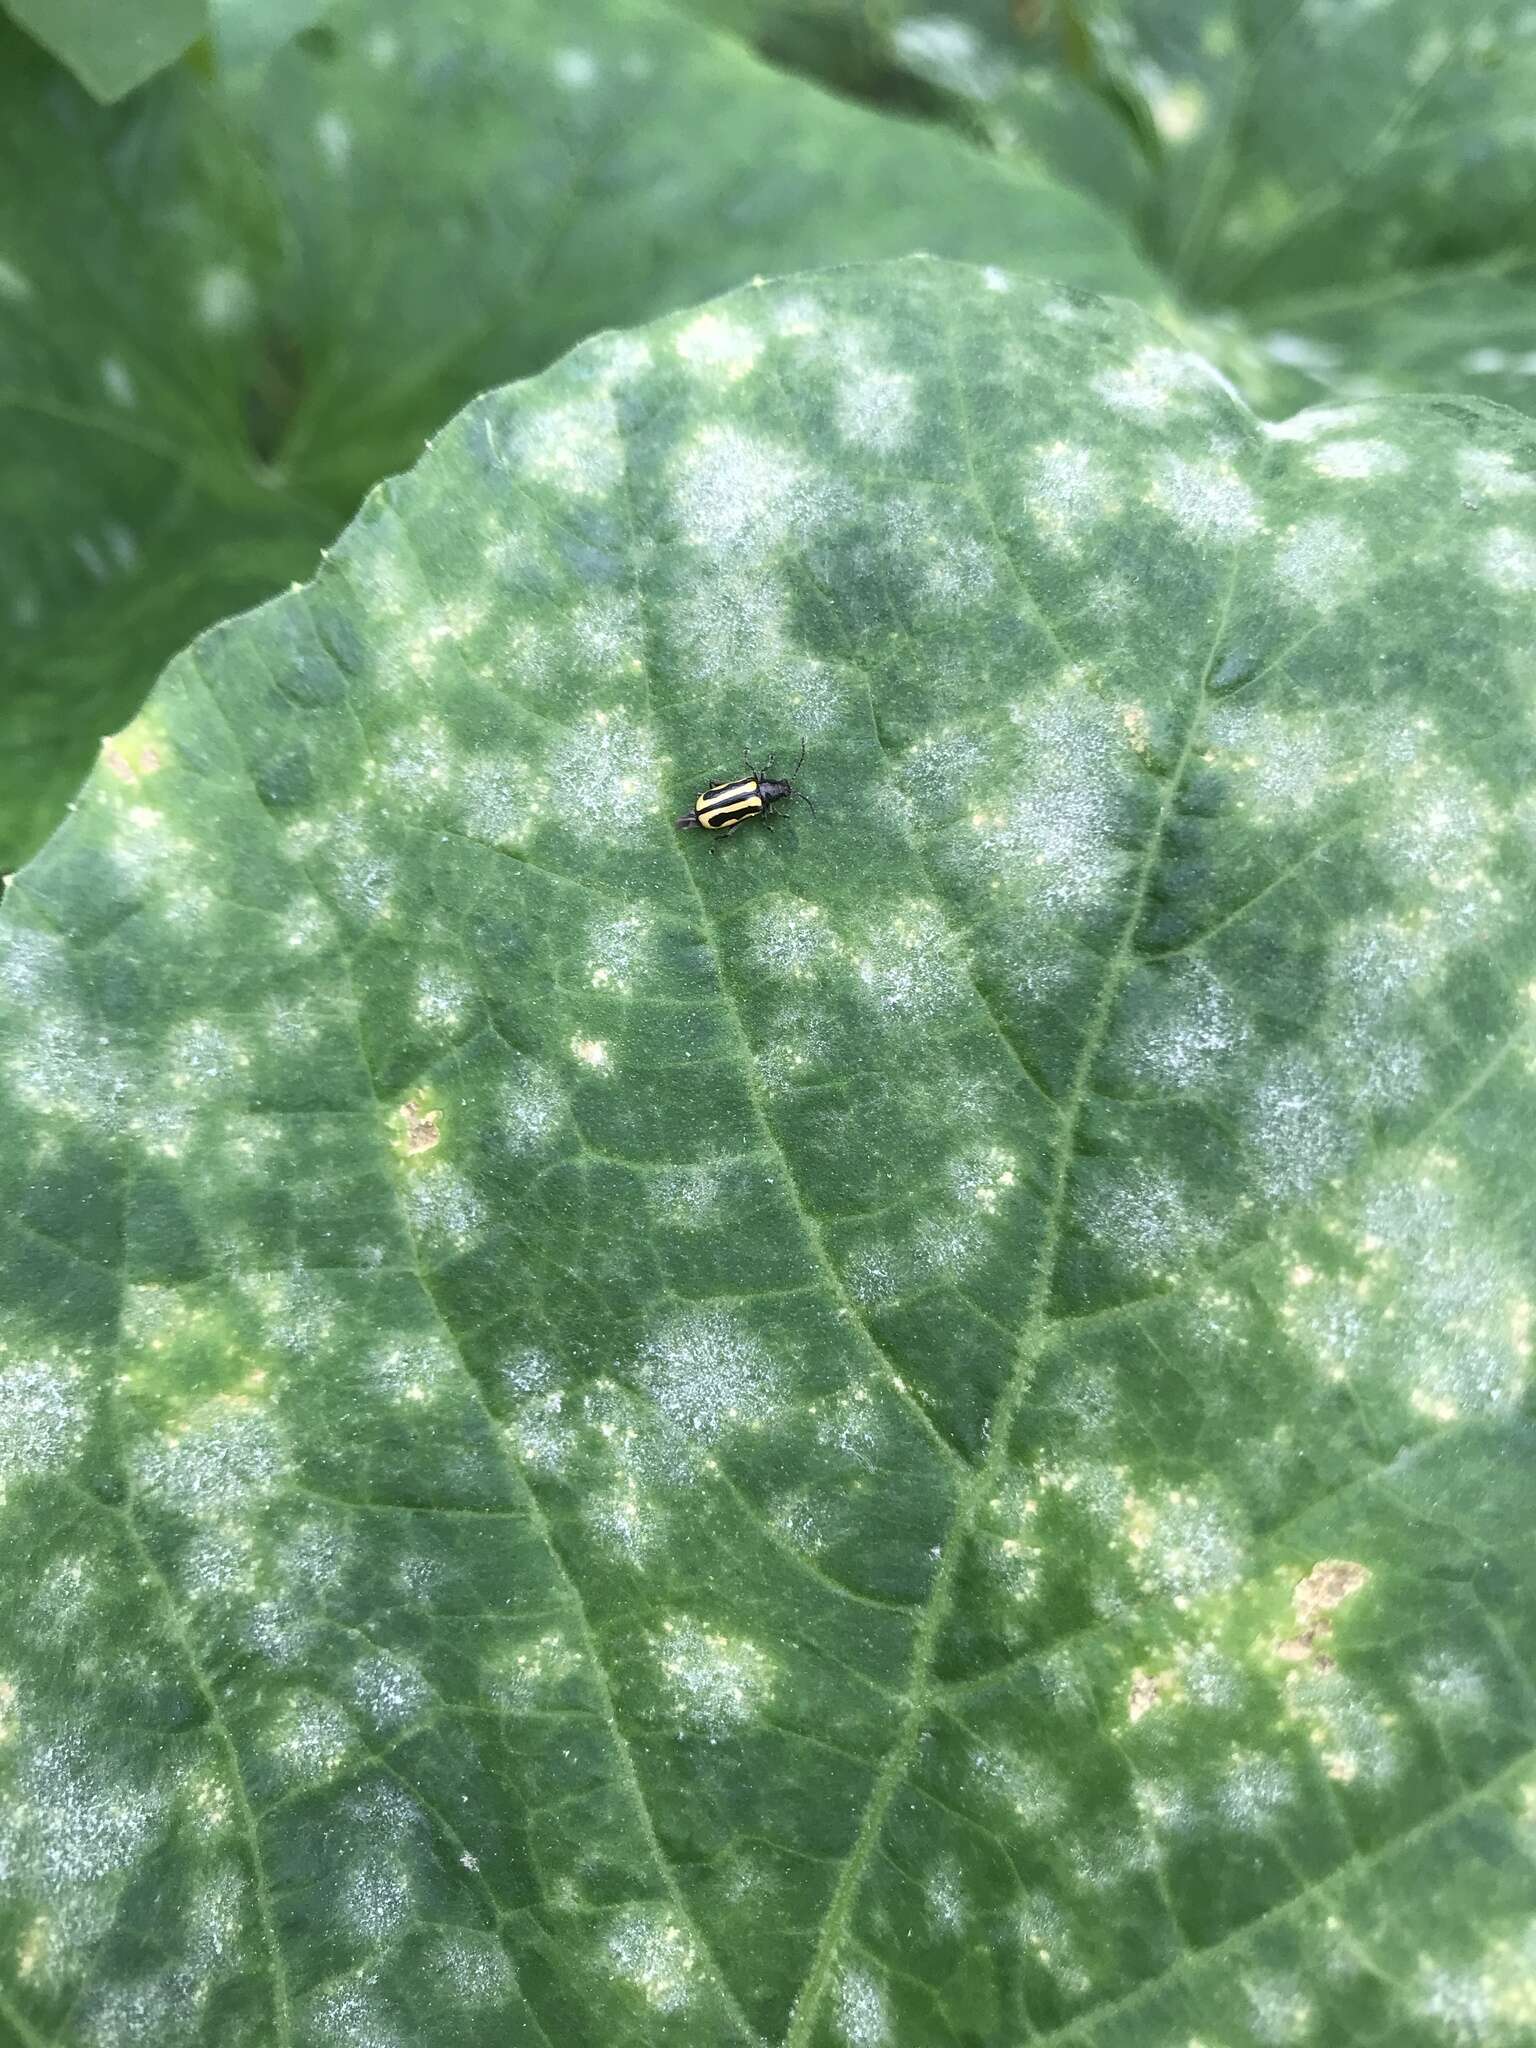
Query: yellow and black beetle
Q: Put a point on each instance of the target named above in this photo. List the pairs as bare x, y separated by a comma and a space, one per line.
726, 806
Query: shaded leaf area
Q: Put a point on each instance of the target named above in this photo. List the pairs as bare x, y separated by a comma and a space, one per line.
111, 49
917, 1432
240, 309
1352, 187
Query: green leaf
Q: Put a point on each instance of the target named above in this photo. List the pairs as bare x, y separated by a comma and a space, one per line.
112, 47
1358, 182
914, 1433
212, 347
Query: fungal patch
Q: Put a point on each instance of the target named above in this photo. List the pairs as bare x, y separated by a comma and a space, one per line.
1297, 1128
740, 494
1179, 111
984, 1179
415, 1370
708, 1373
444, 999
1354, 1738
496, 804
1321, 562
1207, 500
1485, 2000
1507, 560
574, 446
14, 285
1188, 1029
1154, 379
375, 1896
903, 966
222, 1458
861, 2011
1147, 1690
1144, 1220
716, 1682
690, 1197
1021, 1786
1068, 491
44, 1420
716, 343
1491, 473
1355, 461
591, 1052
615, 947
531, 1108
311, 1739
786, 939
525, 1679
605, 766
649, 1951
874, 406
1182, 1547
443, 1208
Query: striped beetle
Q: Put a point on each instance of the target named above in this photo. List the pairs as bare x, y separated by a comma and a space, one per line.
726, 806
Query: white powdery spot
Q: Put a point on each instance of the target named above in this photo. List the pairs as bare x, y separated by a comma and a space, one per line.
1287, 763
573, 445
615, 948
902, 965
1187, 1027
875, 405
1354, 1736
1279, 2009
1182, 1547
715, 1681
375, 1897
691, 1197
861, 2010
43, 1420
1297, 1127
652, 1953
1507, 560
13, 284
1485, 2000
226, 1455
415, 1370
740, 494
443, 1207
1208, 500
786, 938
496, 804
1492, 474
1252, 1790
312, 1738
532, 1107
1067, 492
1155, 378
716, 343
1321, 562
1450, 1689
1145, 1220
1349, 460
605, 768
708, 1373
67, 1822
223, 300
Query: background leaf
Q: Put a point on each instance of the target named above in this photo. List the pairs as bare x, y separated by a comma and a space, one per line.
115, 47
914, 1433
242, 309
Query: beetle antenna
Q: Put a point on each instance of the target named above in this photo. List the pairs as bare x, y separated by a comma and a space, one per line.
803, 798
801, 762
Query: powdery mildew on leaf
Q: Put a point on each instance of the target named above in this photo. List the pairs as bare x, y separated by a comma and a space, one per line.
911, 1433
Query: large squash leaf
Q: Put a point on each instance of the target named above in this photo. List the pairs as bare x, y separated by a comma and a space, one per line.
215, 337
911, 1434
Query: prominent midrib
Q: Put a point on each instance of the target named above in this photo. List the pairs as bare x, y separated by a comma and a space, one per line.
1035, 1331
